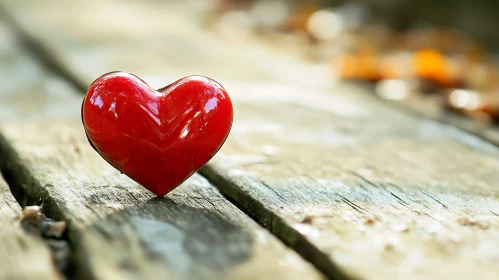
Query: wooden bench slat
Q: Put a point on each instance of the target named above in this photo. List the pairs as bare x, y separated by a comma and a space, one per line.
358, 188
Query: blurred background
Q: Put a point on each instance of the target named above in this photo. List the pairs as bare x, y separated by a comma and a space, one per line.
442, 52
402, 47
340, 59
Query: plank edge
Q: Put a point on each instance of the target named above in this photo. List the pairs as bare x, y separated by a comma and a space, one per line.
275, 224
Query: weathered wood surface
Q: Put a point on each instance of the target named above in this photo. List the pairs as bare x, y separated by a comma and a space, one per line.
117, 229
22, 256
383, 194
356, 187
433, 106
22, 80
156, 40
105, 44
66, 36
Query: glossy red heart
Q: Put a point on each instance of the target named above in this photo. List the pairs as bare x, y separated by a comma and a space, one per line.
157, 137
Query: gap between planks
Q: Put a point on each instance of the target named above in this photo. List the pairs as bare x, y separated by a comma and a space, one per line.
23, 255
52, 63
43, 54
206, 206
430, 109
377, 186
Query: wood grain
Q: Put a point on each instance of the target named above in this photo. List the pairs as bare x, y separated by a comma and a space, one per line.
30, 92
359, 189
85, 49
382, 194
22, 256
160, 41
121, 231
434, 107
117, 229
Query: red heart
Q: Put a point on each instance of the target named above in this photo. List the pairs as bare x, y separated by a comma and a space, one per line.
157, 137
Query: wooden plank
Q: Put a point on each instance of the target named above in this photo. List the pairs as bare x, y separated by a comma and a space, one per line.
117, 229
99, 46
433, 107
29, 92
382, 194
160, 41
359, 189
22, 255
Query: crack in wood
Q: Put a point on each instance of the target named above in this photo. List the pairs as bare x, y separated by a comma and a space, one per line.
278, 227
61, 247
436, 200
353, 205
364, 179
355, 249
400, 199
